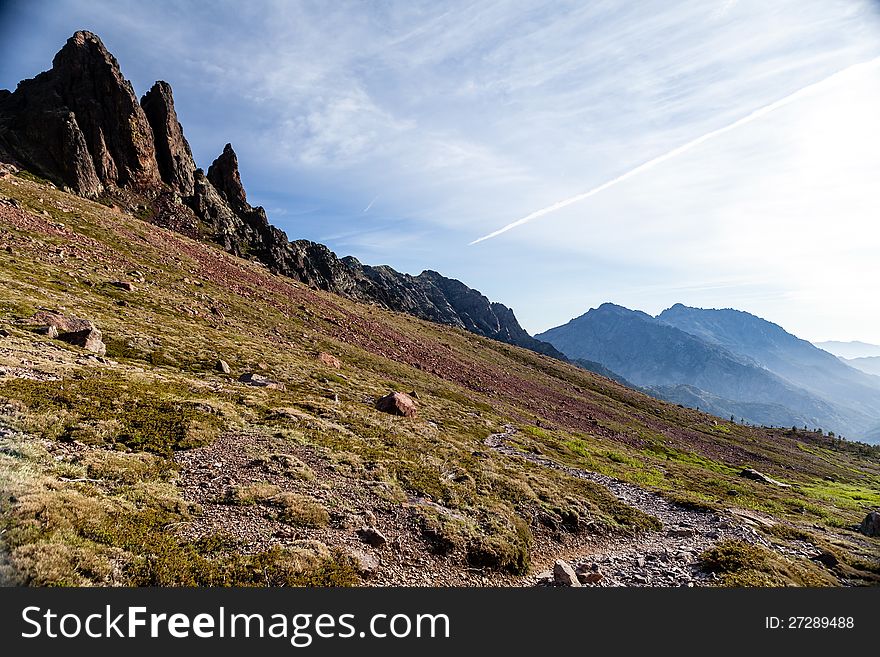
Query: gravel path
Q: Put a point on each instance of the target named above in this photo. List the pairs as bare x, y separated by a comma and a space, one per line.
665, 558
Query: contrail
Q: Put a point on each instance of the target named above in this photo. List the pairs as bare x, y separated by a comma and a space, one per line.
757, 114
370, 204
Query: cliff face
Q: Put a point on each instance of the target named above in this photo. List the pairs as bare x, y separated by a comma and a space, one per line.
80, 126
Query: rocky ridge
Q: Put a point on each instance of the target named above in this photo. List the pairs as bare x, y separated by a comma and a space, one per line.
81, 126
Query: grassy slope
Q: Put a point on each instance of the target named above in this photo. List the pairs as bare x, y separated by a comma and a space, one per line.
115, 423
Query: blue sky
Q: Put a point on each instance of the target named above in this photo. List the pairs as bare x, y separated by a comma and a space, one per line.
399, 132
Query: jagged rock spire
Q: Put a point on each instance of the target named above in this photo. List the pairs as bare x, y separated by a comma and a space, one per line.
173, 154
223, 174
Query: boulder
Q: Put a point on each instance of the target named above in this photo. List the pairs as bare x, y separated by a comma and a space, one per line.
871, 524
62, 323
397, 403
259, 381
123, 285
329, 360
564, 575
88, 339
372, 537
223, 366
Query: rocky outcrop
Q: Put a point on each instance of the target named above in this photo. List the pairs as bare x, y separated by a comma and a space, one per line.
173, 155
80, 124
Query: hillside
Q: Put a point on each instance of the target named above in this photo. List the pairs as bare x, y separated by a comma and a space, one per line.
150, 464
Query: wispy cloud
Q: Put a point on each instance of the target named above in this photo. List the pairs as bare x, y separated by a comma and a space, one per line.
680, 150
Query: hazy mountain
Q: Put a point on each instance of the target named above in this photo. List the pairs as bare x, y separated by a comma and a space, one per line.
784, 354
868, 364
854, 349
720, 367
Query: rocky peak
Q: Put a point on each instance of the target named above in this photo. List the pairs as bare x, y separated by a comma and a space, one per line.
80, 123
223, 174
173, 154
89, 82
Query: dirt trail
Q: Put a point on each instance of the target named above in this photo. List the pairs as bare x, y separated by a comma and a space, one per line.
664, 558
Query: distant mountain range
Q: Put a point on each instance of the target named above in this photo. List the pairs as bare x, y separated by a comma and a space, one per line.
869, 364
850, 350
726, 362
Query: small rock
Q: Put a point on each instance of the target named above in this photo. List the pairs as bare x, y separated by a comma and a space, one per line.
590, 578
871, 524
640, 562
4, 333
413, 394
223, 366
49, 331
372, 537
330, 360
124, 285
564, 575
397, 403
260, 381
365, 563
682, 533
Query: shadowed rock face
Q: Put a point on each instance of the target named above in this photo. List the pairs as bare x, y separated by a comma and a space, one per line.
173, 154
80, 125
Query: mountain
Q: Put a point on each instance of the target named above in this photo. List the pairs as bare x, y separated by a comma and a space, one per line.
771, 347
854, 349
868, 364
80, 126
697, 371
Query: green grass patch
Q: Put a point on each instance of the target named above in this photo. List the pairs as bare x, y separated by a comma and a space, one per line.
741, 564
